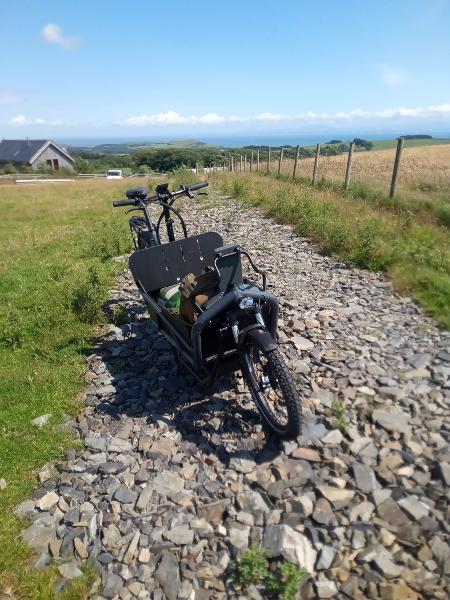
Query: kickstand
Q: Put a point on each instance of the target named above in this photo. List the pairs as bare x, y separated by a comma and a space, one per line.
210, 379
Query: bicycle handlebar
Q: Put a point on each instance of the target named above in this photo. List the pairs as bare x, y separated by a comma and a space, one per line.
198, 186
124, 203
186, 190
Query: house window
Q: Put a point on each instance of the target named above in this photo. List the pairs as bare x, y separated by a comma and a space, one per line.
49, 163
55, 163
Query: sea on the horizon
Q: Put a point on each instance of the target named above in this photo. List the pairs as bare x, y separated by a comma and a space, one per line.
238, 141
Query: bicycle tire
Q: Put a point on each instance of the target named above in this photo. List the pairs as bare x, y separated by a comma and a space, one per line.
161, 217
280, 379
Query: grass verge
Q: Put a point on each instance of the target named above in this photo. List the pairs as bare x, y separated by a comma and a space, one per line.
54, 278
359, 226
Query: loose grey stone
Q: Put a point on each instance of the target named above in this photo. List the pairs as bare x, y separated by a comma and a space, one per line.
326, 557
168, 575
252, 502
282, 540
365, 477
113, 585
39, 421
326, 589
111, 468
392, 421
70, 570
242, 461
125, 496
166, 483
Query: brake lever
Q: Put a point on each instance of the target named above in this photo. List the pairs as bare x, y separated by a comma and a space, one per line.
131, 210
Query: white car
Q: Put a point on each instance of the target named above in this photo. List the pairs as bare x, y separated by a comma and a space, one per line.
114, 174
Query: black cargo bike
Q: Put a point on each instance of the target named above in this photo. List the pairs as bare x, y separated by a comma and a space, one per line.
235, 326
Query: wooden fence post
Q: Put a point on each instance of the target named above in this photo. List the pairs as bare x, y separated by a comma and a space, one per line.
241, 163
251, 161
245, 162
281, 160
233, 167
257, 160
196, 168
296, 161
268, 158
316, 163
398, 157
349, 165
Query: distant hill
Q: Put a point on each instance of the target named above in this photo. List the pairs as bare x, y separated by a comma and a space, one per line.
129, 147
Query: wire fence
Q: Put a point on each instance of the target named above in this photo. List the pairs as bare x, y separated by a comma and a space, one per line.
254, 163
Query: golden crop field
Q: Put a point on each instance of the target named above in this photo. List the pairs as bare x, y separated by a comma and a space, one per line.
424, 170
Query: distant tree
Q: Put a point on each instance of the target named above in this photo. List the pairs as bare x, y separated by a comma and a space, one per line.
335, 142
81, 165
363, 144
416, 137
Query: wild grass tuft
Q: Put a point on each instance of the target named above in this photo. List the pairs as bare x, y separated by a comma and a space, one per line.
252, 568
339, 413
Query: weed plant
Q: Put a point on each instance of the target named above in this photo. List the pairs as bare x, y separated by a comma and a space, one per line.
253, 568
339, 413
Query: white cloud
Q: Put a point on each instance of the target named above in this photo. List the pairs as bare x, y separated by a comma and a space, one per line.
173, 118
21, 120
53, 34
394, 77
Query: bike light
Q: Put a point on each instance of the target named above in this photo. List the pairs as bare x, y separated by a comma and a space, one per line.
245, 303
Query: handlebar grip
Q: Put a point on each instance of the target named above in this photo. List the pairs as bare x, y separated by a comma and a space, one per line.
124, 203
198, 186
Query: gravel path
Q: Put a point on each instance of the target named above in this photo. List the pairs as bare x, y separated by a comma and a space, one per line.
173, 484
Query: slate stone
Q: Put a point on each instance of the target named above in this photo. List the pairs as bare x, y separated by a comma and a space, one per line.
111, 468
168, 575
364, 477
113, 585
391, 513
323, 513
125, 496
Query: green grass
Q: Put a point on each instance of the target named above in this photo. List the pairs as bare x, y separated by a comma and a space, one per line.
386, 144
54, 277
406, 238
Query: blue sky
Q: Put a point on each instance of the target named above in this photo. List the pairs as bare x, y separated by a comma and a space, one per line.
179, 69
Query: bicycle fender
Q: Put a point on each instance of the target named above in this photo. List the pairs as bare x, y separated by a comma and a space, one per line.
260, 339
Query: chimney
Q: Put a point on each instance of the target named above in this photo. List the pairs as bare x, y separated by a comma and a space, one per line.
28, 142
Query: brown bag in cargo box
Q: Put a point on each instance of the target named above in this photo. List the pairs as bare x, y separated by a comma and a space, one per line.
198, 289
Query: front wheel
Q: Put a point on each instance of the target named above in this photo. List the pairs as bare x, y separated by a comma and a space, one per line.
274, 392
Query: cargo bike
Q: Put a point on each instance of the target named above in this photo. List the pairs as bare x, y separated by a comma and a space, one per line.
220, 322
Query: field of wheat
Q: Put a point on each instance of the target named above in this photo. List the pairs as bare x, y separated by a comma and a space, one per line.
424, 171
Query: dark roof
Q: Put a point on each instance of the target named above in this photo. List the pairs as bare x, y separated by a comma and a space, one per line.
23, 150
19, 150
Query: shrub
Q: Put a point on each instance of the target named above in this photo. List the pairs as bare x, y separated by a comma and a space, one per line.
282, 583
9, 169
286, 584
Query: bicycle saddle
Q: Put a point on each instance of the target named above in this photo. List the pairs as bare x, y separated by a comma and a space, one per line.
140, 193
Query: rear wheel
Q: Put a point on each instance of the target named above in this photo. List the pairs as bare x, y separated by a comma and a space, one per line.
274, 392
